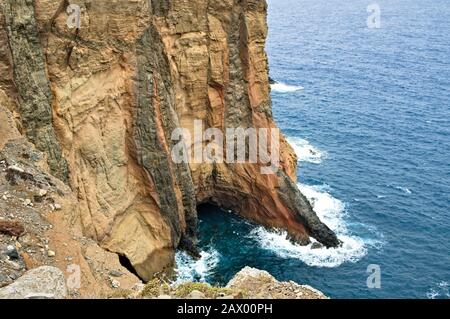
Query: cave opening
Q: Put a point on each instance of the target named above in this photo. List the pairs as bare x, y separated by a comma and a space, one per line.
216, 223
208, 208
126, 263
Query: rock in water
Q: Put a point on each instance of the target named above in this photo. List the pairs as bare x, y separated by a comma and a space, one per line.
40, 283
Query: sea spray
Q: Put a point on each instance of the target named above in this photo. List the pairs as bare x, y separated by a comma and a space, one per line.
305, 151
285, 88
332, 212
191, 269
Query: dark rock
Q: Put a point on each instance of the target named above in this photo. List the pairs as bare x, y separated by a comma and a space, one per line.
40, 296
12, 228
38, 199
12, 253
116, 273
3, 279
272, 81
35, 96
298, 203
316, 245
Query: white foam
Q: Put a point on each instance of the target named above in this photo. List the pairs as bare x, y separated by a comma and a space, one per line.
331, 211
285, 88
432, 294
404, 189
190, 269
440, 291
305, 151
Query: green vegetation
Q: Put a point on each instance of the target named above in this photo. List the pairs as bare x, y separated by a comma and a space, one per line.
119, 294
155, 288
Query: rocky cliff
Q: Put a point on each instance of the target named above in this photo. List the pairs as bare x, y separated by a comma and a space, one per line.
101, 102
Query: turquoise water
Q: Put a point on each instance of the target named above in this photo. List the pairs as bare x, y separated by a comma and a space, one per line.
368, 112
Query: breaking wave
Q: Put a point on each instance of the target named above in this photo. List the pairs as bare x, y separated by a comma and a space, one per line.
191, 269
305, 151
440, 291
406, 190
331, 211
285, 88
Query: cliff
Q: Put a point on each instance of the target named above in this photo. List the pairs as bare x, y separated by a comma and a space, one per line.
49, 283
101, 102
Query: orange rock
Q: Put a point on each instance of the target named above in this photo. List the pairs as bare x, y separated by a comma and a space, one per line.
29, 263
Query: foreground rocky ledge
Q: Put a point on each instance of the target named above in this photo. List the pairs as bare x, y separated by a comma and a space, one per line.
49, 283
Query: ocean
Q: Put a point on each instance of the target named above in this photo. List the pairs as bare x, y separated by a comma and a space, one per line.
368, 113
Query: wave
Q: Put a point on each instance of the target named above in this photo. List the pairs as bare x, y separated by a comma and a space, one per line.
441, 290
305, 151
285, 88
406, 190
331, 211
191, 269
403, 189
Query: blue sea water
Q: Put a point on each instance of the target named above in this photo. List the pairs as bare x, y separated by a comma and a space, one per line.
368, 113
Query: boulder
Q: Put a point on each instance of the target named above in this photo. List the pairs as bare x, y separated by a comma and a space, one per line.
11, 228
12, 252
195, 294
259, 284
40, 283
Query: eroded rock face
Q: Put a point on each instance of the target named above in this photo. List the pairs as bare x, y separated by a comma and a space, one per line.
102, 102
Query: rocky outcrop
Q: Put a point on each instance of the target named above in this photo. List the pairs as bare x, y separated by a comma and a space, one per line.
40, 283
262, 285
37, 228
249, 283
30, 81
103, 100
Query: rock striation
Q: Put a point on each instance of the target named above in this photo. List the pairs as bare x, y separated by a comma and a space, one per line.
101, 102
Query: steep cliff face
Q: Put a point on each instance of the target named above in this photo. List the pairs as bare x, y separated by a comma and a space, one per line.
103, 100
